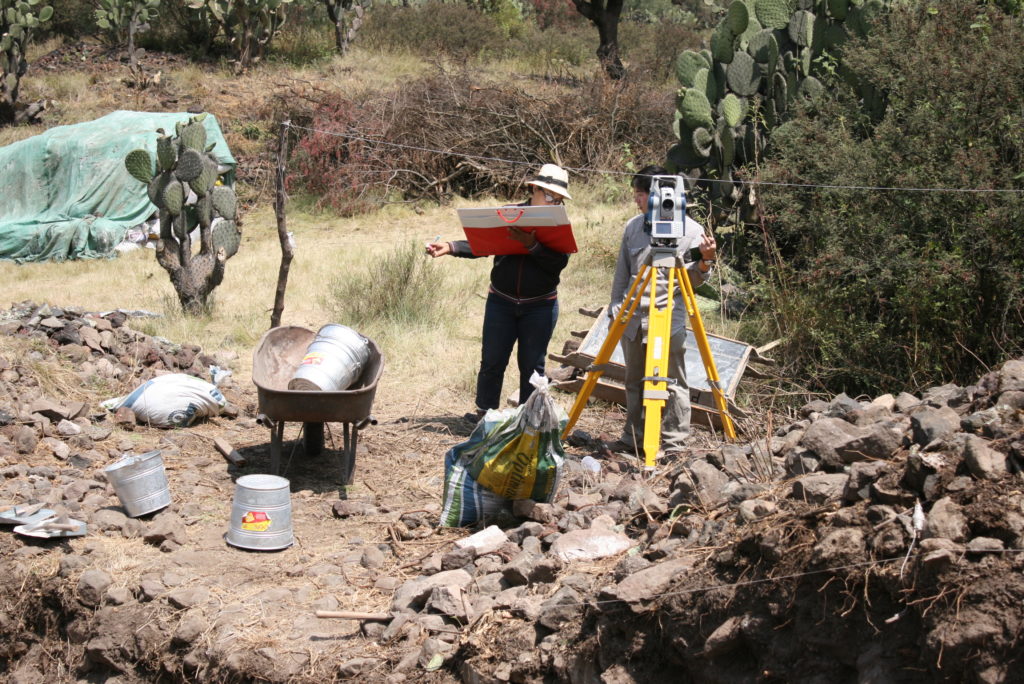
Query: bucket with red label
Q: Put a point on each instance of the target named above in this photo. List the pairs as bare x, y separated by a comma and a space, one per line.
261, 514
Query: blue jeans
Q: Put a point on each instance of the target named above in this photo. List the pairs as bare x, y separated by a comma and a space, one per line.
505, 324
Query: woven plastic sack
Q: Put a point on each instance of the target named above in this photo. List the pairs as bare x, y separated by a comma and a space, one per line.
464, 502
173, 400
521, 457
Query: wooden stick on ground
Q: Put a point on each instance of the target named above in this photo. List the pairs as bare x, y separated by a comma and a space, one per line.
229, 452
353, 615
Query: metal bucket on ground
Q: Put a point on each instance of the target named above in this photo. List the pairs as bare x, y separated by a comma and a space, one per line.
333, 361
140, 483
261, 513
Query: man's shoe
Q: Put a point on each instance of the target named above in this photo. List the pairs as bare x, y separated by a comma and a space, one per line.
474, 416
620, 446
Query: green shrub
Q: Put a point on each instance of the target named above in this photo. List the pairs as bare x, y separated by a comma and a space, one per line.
432, 28
398, 288
879, 289
650, 49
307, 37
72, 19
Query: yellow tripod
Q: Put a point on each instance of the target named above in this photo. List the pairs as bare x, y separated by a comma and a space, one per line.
662, 264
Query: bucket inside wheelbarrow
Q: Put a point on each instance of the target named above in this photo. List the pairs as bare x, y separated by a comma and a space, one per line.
278, 353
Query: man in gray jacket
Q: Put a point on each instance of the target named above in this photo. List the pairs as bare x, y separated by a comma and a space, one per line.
675, 421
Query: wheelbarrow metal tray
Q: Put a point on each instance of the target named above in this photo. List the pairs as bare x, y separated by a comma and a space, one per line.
279, 353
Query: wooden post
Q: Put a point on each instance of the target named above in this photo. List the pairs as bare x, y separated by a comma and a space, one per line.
282, 230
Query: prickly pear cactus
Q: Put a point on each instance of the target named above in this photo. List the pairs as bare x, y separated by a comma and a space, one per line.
250, 25
182, 181
18, 21
761, 61
120, 20
347, 17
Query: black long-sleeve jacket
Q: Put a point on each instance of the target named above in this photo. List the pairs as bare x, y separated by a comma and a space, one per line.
522, 276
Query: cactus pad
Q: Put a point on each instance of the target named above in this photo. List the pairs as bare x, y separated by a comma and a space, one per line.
801, 28
224, 202
681, 156
205, 181
743, 76
193, 136
759, 45
726, 146
743, 40
695, 109
838, 8
173, 197
737, 17
226, 235
155, 190
702, 141
688, 63
190, 165
165, 155
139, 165
721, 43
810, 89
773, 13
731, 108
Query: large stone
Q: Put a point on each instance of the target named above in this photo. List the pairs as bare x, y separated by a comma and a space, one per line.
648, 583
877, 441
827, 435
599, 541
946, 520
486, 541
92, 586
929, 424
412, 594
448, 600
984, 462
700, 484
820, 488
564, 605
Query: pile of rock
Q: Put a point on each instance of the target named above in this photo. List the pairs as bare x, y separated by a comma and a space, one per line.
850, 473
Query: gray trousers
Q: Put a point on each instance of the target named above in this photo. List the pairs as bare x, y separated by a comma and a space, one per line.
675, 416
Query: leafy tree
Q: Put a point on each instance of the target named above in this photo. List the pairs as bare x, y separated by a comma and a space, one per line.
18, 21
881, 283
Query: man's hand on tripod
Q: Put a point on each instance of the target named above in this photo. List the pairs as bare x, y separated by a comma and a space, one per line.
708, 252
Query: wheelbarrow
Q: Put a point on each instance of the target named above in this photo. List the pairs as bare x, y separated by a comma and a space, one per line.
278, 354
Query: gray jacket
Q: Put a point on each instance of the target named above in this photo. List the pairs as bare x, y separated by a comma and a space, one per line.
635, 240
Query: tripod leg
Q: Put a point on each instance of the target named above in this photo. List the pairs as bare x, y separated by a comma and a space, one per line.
615, 330
655, 391
701, 336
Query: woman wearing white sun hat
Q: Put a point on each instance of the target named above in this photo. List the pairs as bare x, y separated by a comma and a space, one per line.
522, 301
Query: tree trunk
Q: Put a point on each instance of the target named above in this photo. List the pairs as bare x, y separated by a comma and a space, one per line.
605, 16
282, 226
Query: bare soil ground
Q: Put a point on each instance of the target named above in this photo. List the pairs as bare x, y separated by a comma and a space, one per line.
828, 575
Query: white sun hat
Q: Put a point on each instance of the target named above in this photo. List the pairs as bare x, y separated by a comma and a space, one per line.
554, 178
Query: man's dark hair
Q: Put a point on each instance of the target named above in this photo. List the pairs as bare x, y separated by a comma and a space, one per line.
642, 178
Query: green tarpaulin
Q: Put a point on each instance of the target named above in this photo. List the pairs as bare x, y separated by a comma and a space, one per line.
65, 194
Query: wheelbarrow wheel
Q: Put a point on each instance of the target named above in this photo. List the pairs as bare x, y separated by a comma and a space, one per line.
313, 438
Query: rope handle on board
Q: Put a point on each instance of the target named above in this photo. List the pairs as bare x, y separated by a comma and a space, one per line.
518, 215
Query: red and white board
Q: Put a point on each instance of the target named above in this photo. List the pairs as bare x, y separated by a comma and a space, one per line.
487, 229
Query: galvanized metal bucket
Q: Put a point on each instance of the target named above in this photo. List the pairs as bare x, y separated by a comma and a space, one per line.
333, 361
261, 514
140, 483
